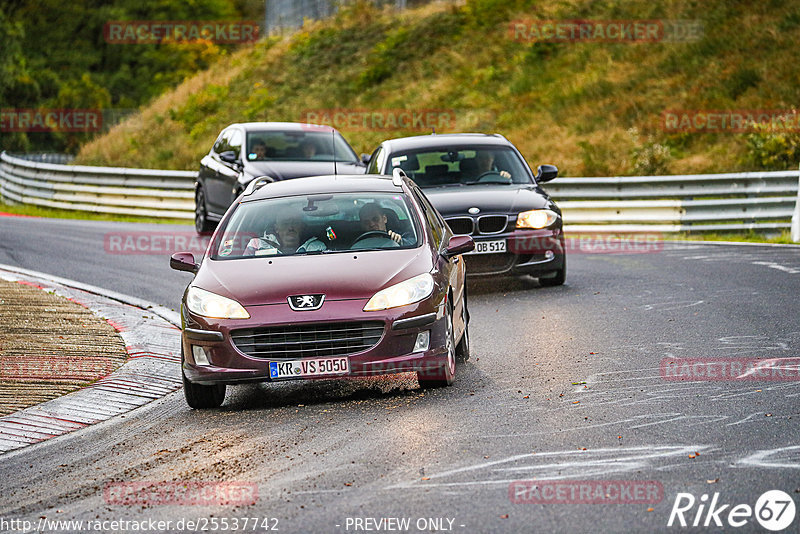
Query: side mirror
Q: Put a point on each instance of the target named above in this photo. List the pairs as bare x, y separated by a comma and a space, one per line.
183, 261
229, 156
545, 173
366, 158
458, 244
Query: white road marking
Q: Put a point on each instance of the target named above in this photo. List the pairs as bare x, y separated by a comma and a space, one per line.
773, 265
764, 458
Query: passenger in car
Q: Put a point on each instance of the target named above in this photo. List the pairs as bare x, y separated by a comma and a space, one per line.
285, 238
308, 149
260, 150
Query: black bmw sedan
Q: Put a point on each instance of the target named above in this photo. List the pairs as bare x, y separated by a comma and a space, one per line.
483, 187
280, 150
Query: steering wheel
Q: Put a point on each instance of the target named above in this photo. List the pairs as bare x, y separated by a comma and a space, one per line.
486, 174
372, 233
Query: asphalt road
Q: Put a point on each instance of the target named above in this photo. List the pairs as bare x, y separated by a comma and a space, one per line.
564, 384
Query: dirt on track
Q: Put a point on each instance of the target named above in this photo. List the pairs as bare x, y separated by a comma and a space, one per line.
50, 346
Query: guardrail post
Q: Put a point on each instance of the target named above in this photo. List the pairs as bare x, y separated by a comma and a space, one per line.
796, 216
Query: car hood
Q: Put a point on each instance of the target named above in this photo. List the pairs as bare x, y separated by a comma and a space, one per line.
285, 170
340, 276
490, 198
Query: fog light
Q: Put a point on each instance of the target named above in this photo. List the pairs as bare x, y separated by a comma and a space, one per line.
423, 341
200, 357
549, 255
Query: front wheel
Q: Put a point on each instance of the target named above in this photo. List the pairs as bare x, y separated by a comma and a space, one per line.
201, 223
202, 397
462, 349
443, 376
558, 279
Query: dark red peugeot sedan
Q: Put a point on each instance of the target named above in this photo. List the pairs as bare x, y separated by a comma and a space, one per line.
324, 277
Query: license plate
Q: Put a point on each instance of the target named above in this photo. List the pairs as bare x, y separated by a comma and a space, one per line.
489, 247
304, 368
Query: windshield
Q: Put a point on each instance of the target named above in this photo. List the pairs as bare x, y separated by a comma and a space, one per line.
462, 166
298, 146
317, 224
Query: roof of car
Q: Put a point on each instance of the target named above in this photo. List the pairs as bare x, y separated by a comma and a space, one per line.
445, 140
282, 126
341, 183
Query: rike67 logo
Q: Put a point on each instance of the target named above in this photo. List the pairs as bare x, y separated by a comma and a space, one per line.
774, 510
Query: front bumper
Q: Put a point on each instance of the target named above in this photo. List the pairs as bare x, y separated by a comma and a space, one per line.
532, 252
392, 353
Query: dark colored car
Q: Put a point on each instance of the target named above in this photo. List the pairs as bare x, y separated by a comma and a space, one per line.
324, 277
280, 150
484, 188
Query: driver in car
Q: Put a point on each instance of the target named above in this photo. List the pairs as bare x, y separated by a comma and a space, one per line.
373, 219
285, 238
484, 160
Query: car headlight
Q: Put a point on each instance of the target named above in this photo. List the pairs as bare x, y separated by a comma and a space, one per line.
536, 218
407, 292
210, 304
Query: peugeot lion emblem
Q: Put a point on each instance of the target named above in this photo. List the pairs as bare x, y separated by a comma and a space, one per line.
474, 211
305, 302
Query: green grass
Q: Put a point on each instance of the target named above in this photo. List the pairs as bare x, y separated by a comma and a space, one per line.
771, 236
39, 211
571, 104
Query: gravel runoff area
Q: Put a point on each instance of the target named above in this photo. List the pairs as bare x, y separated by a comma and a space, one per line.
77, 355
50, 345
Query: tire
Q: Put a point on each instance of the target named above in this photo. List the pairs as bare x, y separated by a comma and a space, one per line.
558, 279
445, 375
202, 397
201, 223
462, 349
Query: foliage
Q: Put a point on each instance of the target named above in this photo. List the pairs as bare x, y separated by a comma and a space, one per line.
567, 103
773, 151
649, 158
55, 56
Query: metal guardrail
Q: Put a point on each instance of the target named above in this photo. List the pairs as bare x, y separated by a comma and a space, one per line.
664, 204
290, 14
121, 191
634, 204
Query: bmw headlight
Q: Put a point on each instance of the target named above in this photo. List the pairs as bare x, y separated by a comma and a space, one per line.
210, 304
536, 218
407, 292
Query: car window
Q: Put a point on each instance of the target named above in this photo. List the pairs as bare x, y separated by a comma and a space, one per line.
317, 224
434, 221
222, 142
235, 142
298, 146
462, 166
376, 161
